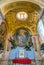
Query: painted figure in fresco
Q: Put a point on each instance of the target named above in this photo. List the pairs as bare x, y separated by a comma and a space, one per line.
21, 37
2, 24
2, 30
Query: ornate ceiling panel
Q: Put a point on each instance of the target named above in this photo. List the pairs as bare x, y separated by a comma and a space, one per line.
10, 10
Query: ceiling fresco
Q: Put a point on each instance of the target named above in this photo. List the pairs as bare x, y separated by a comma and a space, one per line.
32, 10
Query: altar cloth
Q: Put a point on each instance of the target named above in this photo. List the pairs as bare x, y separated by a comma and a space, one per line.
22, 60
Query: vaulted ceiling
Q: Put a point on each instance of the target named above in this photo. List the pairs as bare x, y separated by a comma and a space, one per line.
10, 11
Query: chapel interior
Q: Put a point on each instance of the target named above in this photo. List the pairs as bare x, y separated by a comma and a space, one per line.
22, 25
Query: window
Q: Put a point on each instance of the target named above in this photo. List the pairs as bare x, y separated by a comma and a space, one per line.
22, 15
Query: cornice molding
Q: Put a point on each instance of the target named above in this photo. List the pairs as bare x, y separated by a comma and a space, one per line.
40, 3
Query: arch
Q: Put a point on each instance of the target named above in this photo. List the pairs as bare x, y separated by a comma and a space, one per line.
28, 7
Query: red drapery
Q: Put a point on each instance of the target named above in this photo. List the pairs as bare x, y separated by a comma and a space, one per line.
22, 60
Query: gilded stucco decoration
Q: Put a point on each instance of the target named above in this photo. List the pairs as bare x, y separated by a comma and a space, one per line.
11, 9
